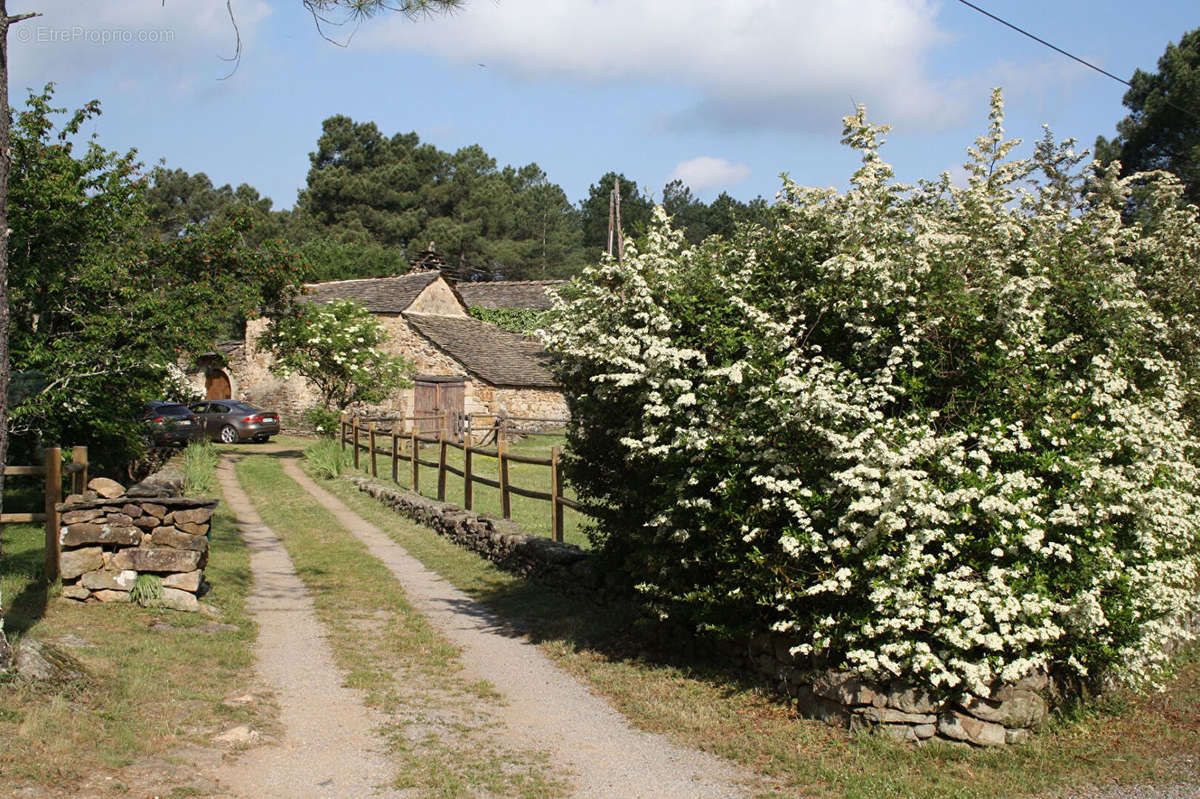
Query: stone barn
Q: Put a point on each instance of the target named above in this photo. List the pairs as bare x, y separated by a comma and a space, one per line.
462, 364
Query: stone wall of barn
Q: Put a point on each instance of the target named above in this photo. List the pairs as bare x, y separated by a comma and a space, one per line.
253, 381
531, 403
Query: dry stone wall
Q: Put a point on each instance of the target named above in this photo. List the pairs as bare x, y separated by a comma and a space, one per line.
110, 536
503, 542
1008, 715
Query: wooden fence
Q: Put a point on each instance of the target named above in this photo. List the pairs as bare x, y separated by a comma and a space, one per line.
52, 470
402, 446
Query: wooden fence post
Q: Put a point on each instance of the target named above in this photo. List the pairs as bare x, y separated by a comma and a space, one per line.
342, 430
468, 486
371, 442
354, 425
415, 479
556, 508
443, 445
79, 479
53, 497
505, 499
396, 452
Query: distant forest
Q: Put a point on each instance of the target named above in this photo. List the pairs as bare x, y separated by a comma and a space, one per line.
373, 204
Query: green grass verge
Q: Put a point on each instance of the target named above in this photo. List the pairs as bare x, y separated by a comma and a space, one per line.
158, 678
662, 687
440, 734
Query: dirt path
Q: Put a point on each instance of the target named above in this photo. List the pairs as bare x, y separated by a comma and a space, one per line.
329, 749
545, 707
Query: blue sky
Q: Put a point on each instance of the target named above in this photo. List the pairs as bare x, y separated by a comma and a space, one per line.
725, 94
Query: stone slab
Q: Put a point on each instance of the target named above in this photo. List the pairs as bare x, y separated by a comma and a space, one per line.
74, 562
176, 599
193, 515
186, 581
157, 560
174, 539
109, 489
92, 533
960, 727
108, 580
76, 516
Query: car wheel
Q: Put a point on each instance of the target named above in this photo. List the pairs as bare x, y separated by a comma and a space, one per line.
229, 435
261, 439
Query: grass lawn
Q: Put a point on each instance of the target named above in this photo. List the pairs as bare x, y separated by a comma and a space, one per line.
533, 515
158, 679
440, 736
660, 687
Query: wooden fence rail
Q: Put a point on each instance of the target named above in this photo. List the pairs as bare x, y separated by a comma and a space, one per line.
52, 470
351, 433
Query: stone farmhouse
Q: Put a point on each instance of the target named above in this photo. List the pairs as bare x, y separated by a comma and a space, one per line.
463, 365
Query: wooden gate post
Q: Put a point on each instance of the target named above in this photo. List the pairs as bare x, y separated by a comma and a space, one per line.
556, 508
396, 452
468, 483
443, 445
355, 428
79, 478
415, 479
53, 497
371, 443
505, 499
342, 430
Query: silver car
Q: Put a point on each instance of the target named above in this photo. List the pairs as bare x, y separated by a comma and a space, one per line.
230, 421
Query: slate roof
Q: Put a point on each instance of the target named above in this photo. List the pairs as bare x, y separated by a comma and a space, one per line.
378, 294
494, 355
509, 293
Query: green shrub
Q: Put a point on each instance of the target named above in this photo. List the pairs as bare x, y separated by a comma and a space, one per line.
199, 468
324, 422
328, 458
923, 432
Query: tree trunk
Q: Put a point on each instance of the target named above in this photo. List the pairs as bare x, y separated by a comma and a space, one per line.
5, 164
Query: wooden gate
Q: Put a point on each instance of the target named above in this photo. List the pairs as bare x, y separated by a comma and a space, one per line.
216, 384
441, 396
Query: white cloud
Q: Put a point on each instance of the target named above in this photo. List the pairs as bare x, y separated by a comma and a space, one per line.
706, 172
785, 63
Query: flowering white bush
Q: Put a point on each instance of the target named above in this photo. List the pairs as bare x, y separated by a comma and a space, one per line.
336, 347
926, 432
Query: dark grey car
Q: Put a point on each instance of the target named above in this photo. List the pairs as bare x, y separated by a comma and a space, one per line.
230, 421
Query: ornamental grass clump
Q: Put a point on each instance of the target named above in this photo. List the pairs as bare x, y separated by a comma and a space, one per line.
930, 432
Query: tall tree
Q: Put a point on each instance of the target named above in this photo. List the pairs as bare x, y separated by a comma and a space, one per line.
102, 311
6, 22
687, 212
177, 201
1163, 129
399, 194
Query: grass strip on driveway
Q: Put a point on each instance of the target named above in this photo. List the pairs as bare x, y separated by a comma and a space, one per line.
159, 676
439, 731
662, 687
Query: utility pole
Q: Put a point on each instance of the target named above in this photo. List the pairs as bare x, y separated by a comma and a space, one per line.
614, 220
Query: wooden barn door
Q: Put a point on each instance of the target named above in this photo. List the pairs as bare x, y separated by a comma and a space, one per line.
216, 385
435, 395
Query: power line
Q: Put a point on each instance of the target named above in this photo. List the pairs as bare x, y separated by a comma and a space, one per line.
1024, 32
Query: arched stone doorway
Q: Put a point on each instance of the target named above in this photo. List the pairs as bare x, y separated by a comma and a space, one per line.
217, 385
